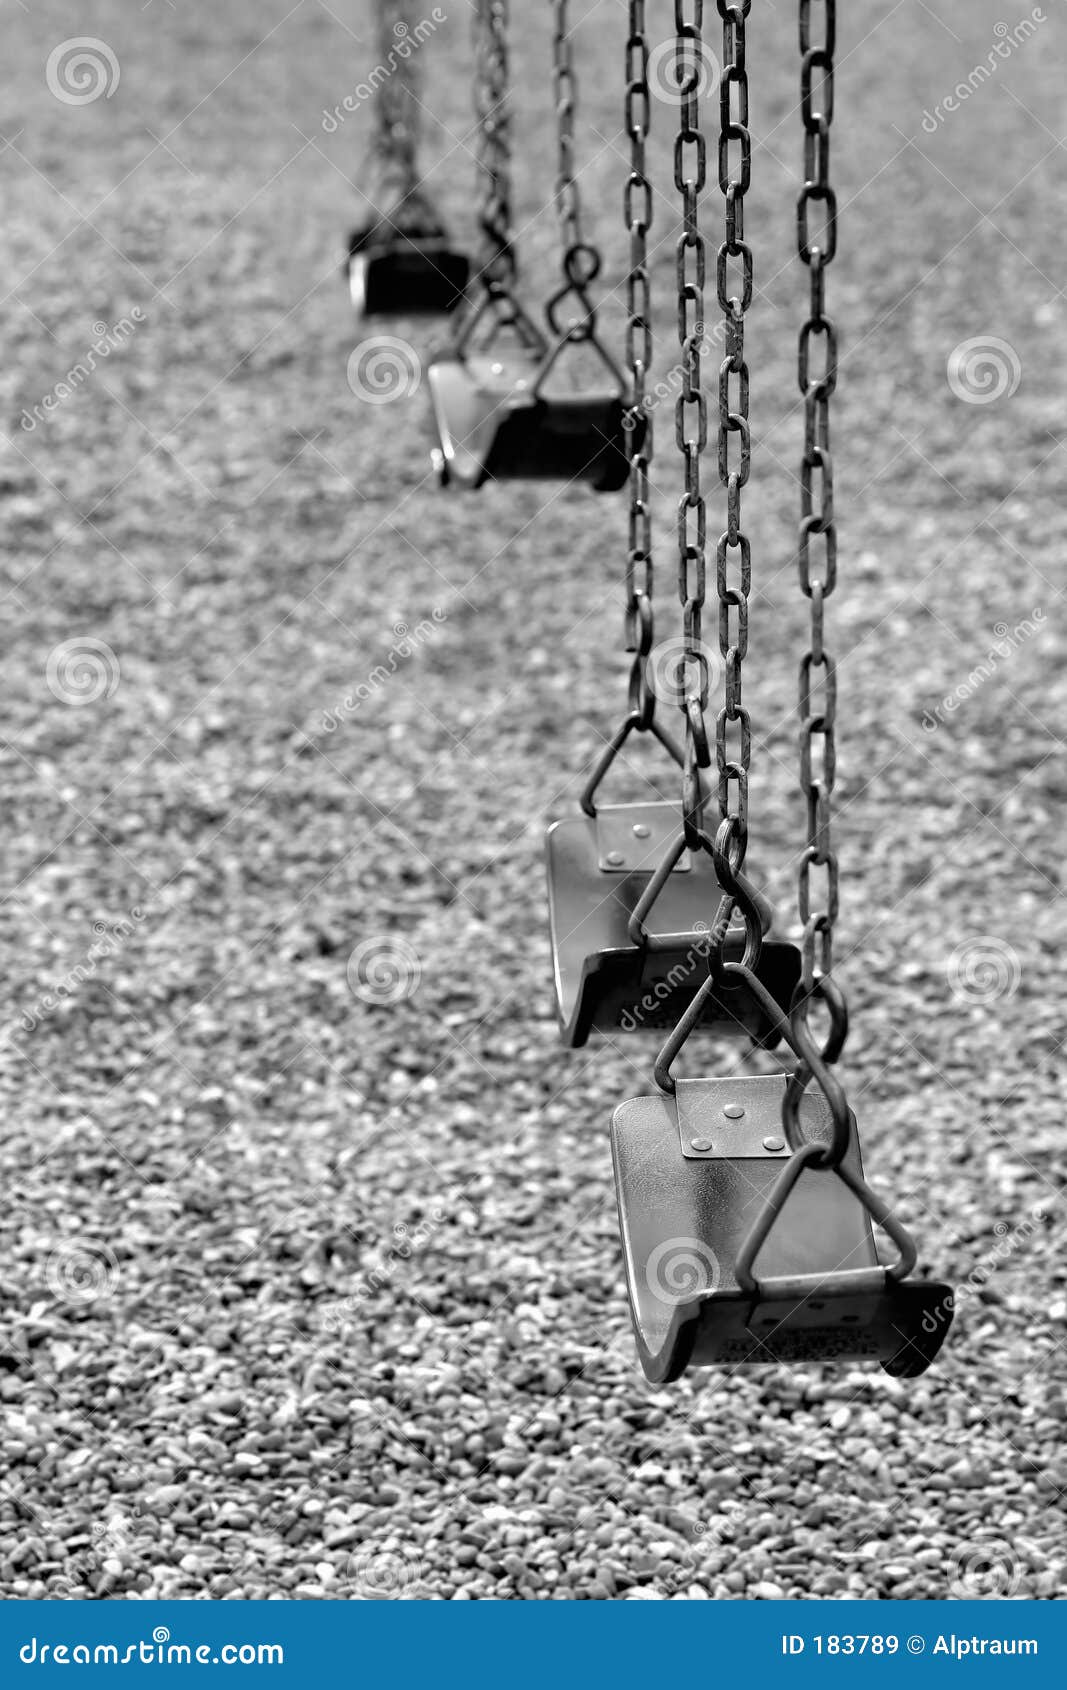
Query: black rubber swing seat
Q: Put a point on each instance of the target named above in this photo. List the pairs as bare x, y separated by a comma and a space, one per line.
398, 273
494, 423
598, 868
693, 1173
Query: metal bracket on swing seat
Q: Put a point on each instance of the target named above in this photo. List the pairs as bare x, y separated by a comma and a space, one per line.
694, 1174
635, 837
598, 869
397, 273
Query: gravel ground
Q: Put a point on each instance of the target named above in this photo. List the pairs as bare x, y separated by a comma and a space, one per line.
310, 1293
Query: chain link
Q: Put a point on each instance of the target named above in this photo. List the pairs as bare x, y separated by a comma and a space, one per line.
567, 199
397, 104
581, 258
637, 211
733, 734
691, 410
817, 375
493, 143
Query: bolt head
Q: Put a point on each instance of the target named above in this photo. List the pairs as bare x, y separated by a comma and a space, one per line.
700, 1144
641, 830
773, 1143
734, 1112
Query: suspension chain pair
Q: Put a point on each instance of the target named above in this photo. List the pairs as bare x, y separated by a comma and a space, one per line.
581, 259
817, 691
639, 620
733, 732
498, 268
397, 105
818, 577
494, 146
733, 735
493, 142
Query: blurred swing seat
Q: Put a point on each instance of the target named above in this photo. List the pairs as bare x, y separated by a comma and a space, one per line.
395, 272
496, 424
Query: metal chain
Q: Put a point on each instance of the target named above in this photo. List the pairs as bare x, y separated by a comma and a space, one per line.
690, 410
581, 258
397, 104
567, 200
493, 144
637, 210
637, 420
733, 562
818, 576
814, 1056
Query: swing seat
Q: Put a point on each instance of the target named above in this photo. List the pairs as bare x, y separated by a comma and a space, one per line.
404, 274
691, 1174
598, 868
493, 424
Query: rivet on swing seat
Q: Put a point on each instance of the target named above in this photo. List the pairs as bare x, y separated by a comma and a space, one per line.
693, 1172
598, 868
394, 273
495, 424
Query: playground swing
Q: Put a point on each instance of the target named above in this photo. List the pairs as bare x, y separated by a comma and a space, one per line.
629, 886
748, 1228
401, 263
501, 420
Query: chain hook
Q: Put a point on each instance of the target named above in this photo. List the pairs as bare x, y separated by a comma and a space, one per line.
581, 267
